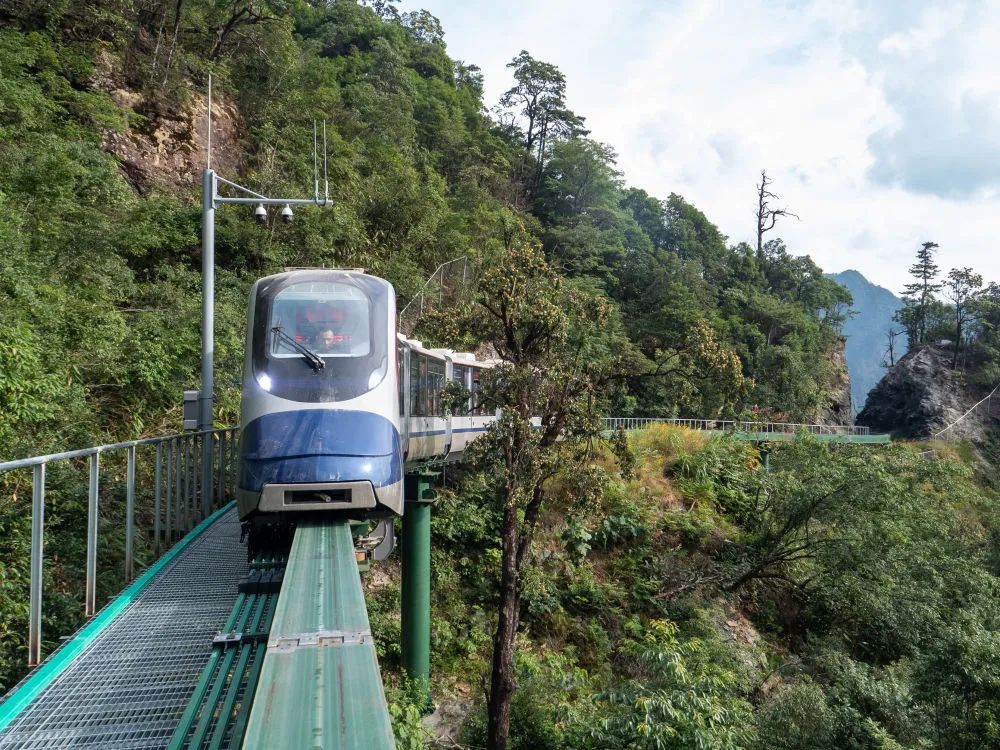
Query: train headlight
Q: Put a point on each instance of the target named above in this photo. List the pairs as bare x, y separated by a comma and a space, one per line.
264, 381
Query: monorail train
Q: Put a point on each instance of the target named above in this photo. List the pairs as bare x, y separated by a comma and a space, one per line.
331, 410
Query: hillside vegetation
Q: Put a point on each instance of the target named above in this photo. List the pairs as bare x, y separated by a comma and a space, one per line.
846, 598
676, 595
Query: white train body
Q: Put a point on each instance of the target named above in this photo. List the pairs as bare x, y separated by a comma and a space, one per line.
335, 403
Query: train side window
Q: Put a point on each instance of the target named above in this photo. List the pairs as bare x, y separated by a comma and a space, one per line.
459, 375
418, 378
434, 386
478, 407
401, 377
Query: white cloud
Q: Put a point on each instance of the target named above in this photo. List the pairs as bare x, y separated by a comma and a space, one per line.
848, 105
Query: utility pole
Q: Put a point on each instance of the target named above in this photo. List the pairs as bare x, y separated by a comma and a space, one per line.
210, 200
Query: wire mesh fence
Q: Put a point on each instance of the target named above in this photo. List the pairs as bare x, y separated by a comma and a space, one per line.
446, 287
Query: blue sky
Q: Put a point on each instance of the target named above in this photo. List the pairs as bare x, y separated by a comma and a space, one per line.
879, 122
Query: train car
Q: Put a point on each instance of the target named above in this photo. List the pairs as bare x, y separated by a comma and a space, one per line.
325, 425
319, 413
433, 430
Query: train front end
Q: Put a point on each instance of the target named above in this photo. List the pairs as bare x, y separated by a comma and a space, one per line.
320, 413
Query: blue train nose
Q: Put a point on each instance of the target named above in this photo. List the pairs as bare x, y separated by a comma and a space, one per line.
319, 445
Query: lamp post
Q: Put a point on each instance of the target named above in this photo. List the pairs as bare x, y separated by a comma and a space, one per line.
210, 200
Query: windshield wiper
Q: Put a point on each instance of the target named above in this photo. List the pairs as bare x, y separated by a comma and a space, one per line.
315, 361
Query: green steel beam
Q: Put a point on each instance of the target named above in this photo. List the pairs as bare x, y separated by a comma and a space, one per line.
320, 686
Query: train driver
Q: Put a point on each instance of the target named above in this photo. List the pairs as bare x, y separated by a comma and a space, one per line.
328, 341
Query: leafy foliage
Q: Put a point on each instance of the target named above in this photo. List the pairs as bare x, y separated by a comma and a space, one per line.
631, 303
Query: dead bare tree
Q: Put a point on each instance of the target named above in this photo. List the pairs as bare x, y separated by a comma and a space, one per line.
890, 351
767, 216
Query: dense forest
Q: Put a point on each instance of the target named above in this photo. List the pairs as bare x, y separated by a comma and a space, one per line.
675, 594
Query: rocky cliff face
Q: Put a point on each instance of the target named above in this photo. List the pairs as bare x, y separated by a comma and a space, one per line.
167, 148
837, 409
922, 395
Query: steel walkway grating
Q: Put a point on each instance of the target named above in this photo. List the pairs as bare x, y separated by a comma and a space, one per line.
130, 686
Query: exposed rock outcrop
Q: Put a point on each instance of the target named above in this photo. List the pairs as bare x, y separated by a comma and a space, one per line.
837, 409
921, 395
167, 148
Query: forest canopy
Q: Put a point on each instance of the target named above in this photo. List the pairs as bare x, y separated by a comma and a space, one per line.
677, 592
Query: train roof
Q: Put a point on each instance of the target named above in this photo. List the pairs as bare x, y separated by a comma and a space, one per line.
461, 358
313, 272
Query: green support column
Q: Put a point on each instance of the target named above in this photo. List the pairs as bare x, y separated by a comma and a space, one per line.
416, 554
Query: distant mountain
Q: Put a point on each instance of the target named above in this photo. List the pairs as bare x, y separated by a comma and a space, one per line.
867, 341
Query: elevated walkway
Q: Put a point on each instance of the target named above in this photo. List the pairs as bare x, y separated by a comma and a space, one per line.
125, 679
758, 432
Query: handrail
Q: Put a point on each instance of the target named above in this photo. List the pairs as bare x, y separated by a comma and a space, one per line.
724, 425
25, 463
176, 506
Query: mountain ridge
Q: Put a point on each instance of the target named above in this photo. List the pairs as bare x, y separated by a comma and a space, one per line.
867, 332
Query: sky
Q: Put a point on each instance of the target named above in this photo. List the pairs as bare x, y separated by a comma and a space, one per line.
879, 122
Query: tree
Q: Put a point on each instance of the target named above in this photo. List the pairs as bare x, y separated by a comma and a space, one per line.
919, 295
559, 348
767, 216
538, 100
963, 288
683, 701
890, 351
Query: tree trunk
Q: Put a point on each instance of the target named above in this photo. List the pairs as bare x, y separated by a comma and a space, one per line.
958, 337
502, 681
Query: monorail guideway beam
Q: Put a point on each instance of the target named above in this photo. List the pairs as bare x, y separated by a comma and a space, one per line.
320, 685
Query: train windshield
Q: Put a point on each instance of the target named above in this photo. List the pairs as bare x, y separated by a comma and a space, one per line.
322, 338
330, 318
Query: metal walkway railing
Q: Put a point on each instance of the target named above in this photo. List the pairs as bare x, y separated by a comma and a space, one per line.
124, 680
179, 502
722, 425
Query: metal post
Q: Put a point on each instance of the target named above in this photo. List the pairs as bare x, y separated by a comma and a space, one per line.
129, 513
196, 477
221, 470
157, 497
37, 540
170, 493
416, 564
183, 525
90, 606
205, 419
233, 467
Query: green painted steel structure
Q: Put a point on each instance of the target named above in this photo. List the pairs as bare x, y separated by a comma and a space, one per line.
217, 713
320, 685
416, 585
